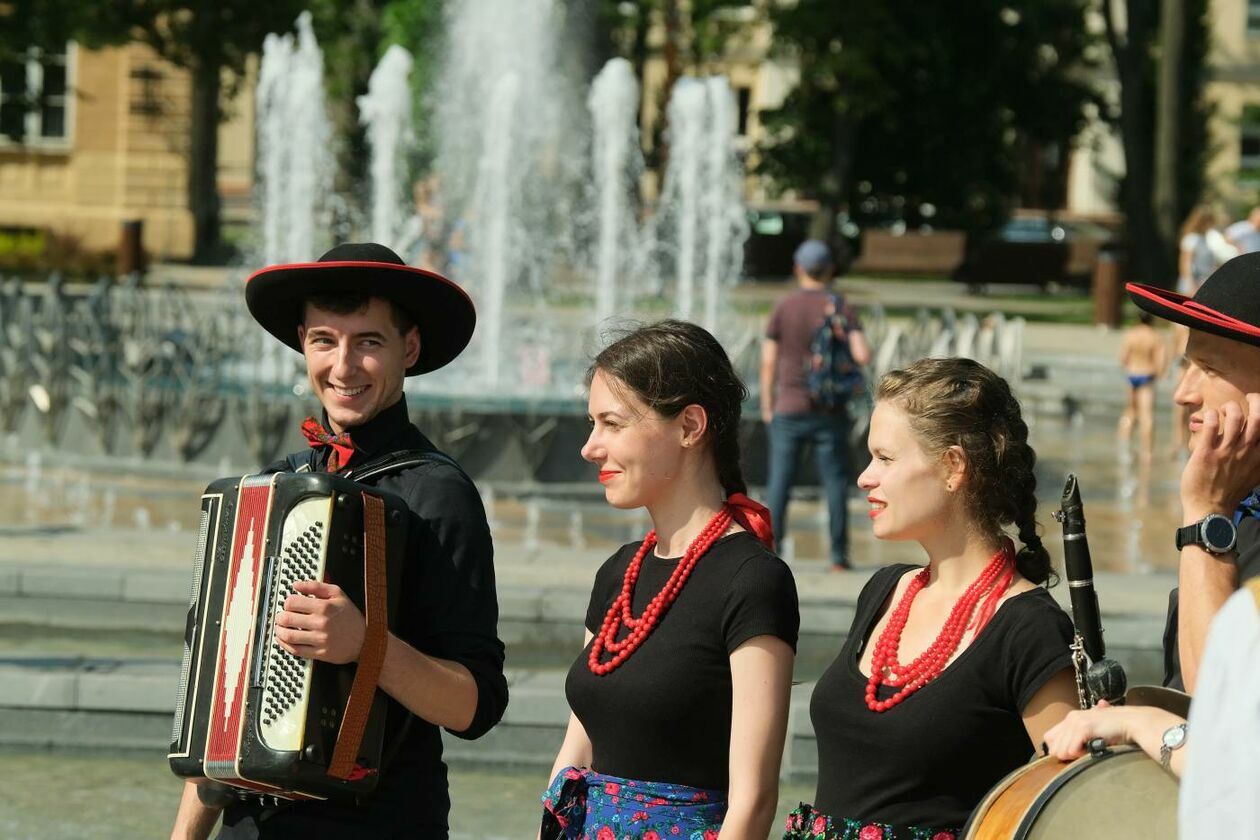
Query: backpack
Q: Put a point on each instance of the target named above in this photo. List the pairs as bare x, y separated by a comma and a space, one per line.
832, 377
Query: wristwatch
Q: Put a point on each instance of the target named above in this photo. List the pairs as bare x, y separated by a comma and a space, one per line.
1174, 738
1215, 533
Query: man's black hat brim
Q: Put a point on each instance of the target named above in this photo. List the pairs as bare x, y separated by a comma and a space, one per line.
1226, 305
442, 310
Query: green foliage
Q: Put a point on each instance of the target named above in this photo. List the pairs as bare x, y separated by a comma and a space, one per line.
417, 25
49, 24
353, 36
902, 104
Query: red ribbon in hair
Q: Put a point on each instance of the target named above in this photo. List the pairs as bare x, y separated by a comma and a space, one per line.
317, 436
753, 517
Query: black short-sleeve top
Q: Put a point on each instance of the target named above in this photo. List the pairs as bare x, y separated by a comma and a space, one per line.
929, 760
664, 714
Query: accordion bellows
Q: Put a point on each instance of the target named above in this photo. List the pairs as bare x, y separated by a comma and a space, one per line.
248, 713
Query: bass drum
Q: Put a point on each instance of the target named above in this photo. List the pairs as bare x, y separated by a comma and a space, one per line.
1119, 794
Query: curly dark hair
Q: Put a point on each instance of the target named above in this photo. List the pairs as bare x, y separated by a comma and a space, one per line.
670, 365
960, 402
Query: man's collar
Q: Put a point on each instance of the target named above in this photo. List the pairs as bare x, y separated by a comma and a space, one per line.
376, 434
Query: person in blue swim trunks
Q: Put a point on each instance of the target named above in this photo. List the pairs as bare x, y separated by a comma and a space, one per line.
1144, 357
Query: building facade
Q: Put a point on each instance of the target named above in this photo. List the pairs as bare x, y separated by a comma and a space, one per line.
106, 144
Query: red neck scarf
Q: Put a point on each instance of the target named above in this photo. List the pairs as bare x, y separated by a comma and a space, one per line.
753, 517
317, 436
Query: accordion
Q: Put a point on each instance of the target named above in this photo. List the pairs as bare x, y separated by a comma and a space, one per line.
248, 713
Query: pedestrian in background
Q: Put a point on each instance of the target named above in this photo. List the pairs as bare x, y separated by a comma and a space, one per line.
793, 417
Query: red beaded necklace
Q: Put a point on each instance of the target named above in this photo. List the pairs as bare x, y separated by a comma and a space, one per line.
927, 666
641, 627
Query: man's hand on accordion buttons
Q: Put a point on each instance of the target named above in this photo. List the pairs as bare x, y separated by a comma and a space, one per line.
320, 622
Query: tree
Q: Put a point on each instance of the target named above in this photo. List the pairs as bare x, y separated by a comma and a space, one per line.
210, 38
908, 109
692, 34
1133, 31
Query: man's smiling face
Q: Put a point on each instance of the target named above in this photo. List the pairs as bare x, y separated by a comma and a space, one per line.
357, 361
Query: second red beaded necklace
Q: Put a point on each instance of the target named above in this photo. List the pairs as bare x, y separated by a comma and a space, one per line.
994, 580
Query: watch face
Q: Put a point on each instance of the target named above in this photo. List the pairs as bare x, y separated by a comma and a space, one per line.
1174, 737
1218, 533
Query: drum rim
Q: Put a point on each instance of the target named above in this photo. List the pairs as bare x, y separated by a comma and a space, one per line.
982, 809
1069, 770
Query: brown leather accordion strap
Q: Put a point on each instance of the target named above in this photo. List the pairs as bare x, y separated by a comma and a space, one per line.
372, 656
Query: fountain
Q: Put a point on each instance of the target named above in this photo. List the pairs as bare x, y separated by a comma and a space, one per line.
386, 112
538, 183
617, 163
295, 163
702, 182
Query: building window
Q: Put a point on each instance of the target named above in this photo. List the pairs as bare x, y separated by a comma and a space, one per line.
1253, 18
34, 97
1249, 139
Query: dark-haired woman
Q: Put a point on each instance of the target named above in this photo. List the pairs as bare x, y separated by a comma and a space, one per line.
954, 670
680, 698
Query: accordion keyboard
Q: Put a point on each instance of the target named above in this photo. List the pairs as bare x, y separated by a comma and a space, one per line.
287, 679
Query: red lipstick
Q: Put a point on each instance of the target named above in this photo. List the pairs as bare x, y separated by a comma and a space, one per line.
606, 476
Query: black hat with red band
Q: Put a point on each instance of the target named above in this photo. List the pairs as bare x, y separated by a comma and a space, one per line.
1227, 304
276, 296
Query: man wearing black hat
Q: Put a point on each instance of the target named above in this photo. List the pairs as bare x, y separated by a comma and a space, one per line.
1219, 539
365, 321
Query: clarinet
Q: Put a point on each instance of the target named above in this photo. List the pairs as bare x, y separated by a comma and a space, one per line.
1097, 677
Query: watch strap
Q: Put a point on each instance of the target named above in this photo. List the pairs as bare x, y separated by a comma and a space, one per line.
1188, 535
1166, 750
1196, 533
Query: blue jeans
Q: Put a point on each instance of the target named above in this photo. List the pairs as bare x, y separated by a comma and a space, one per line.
829, 434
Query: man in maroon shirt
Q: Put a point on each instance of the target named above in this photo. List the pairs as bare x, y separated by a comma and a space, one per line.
791, 417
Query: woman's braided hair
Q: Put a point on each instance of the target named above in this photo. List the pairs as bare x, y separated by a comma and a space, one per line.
960, 402
670, 365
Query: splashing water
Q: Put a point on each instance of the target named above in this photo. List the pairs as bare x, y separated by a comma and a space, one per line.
617, 161
702, 182
295, 164
386, 112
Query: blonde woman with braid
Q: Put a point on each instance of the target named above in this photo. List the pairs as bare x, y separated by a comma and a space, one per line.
954, 670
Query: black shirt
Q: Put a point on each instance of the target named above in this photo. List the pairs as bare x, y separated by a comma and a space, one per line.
1248, 561
928, 761
664, 714
448, 609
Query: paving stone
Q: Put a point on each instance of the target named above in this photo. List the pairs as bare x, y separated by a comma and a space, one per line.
126, 690
162, 587
26, 687
10, 579
69, 582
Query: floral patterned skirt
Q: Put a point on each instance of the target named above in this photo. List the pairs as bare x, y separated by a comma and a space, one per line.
807, 824
581, 804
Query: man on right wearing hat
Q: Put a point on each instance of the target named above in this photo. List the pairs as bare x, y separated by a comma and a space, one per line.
792, 416
1216, 752
1219, 537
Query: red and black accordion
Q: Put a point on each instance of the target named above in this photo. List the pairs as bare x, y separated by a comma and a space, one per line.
249, 713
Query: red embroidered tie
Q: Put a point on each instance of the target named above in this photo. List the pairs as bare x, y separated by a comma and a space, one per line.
317, 436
